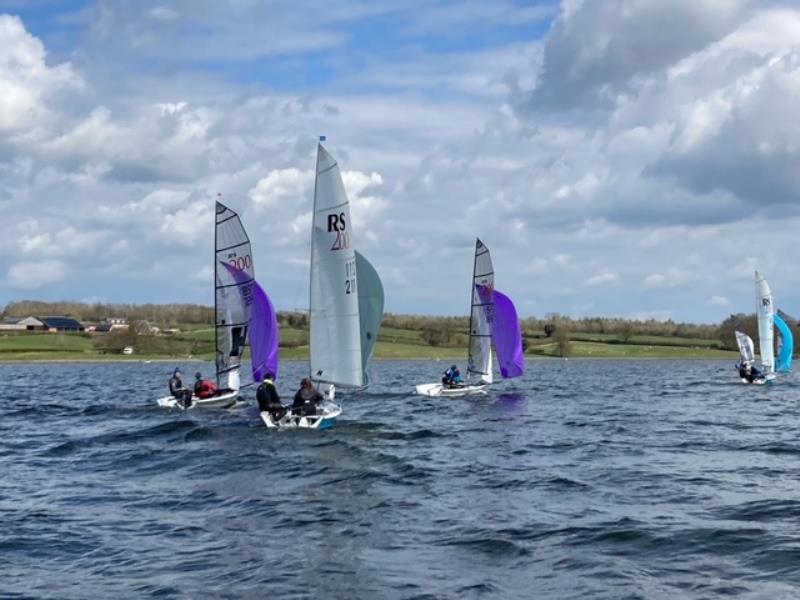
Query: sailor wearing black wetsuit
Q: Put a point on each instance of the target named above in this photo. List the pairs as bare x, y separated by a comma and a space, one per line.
306, 399
177, 389
269, 400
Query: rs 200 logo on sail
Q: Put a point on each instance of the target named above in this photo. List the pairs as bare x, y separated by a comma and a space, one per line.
338, 225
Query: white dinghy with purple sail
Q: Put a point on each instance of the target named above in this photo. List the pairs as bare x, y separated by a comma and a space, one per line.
493, 318
233, 300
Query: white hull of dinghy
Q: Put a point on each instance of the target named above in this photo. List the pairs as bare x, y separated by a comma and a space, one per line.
437, 390
326, 414
769, 379
224, 400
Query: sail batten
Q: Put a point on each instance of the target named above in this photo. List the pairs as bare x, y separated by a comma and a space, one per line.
233, 291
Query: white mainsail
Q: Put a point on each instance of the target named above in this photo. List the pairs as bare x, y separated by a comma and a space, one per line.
335, 330
766, 319
481, 315
746, 347
233, 296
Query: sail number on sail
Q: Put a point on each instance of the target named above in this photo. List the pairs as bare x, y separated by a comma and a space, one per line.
240, 263
350, 276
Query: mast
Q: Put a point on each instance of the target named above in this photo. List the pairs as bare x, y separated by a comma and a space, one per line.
322, 138
472, 308
216, 278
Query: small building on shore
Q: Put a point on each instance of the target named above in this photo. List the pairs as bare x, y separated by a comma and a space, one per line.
22, 324
62, 324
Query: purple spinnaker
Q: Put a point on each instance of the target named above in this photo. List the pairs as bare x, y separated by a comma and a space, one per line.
263, 331
507, 337
264, 335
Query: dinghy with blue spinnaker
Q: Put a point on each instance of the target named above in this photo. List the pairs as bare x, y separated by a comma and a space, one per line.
785, 344
233, 281
493, 318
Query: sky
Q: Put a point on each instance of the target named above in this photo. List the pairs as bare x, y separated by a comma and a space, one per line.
631, 158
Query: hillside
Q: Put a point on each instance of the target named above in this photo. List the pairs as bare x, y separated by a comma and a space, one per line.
196, 342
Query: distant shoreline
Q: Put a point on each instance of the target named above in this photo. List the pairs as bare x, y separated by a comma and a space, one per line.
116, 360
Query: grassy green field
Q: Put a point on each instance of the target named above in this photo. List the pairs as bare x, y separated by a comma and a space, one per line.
197, 343
600, 350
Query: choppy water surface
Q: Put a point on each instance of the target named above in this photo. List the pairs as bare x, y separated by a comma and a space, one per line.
595, 479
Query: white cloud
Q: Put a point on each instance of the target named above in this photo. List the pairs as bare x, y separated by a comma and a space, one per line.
282, 187
652, 157
35, 275
719, 301
25, 79
163, 13
602, 279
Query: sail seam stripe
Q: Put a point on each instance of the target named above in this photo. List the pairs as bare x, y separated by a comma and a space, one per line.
227, 285
331, 207
226, 219
231, 324
234, 246
336, 164
483, 275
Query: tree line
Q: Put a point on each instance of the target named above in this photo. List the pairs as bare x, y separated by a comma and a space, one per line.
166, 315
435, 330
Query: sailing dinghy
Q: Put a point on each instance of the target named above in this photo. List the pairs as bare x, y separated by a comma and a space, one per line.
264, 342
233, 300
766, 325
493, 318
342, 339
747, 353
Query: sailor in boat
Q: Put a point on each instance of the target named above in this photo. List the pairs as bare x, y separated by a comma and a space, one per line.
204, 388
306, 399
268, 398
452, 377
178, 390
749, 372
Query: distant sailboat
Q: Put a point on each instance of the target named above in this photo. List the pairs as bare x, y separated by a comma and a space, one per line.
233, 299
746, 348
493, 317
766, 323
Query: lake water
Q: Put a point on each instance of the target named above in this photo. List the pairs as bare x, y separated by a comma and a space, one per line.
585, 479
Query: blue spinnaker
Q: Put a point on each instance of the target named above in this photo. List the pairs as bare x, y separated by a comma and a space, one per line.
784, 364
